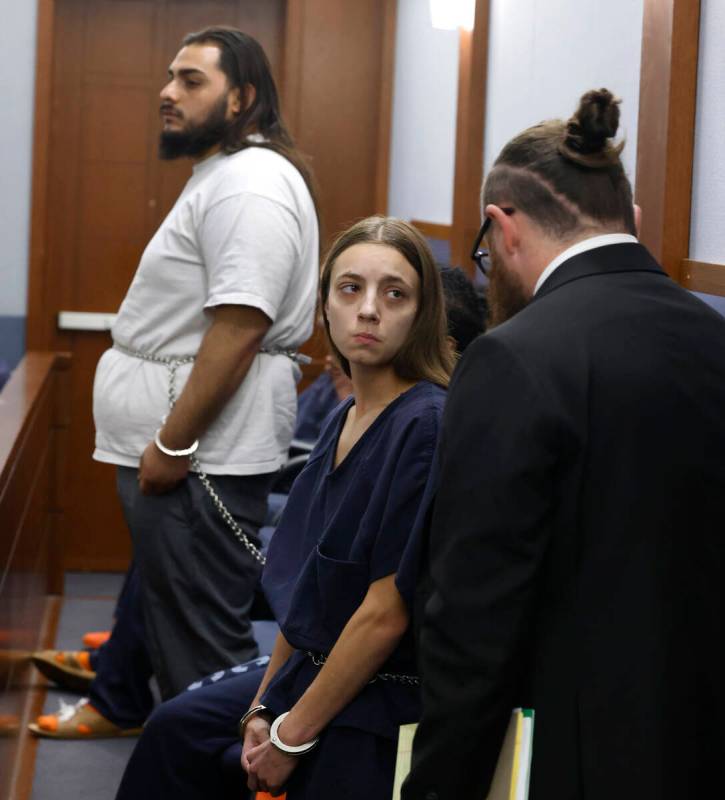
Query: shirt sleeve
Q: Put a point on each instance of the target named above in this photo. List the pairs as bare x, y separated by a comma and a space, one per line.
401, 487
250, 245
410, 576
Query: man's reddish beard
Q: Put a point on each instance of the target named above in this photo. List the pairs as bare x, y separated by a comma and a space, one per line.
506, 294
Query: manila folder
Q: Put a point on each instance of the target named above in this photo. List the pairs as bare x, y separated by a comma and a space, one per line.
513, 769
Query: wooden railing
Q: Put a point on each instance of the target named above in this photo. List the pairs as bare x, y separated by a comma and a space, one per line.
34, 412
702, 277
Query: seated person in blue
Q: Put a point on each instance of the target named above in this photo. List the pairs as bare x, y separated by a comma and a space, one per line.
322, 720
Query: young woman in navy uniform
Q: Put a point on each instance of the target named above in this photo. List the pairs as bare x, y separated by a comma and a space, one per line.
322, 720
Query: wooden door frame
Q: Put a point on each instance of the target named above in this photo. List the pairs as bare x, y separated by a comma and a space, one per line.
470, 133
667, 117
470, 136
40, 329
666, 137
292, 77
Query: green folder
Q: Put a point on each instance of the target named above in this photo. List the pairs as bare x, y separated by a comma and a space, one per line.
513, 769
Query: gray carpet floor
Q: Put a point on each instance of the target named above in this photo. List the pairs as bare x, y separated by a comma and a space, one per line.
91, 769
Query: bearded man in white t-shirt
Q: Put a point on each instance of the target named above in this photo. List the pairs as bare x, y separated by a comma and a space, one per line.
201, 378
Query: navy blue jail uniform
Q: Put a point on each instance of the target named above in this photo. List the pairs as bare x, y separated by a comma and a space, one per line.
120, 690
342, 529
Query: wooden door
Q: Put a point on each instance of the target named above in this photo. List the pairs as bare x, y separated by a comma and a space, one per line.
105, 192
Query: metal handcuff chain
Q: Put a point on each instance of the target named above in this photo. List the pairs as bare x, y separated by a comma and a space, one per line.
172, 363
319, 659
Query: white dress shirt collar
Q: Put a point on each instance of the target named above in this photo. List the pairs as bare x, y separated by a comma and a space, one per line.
582, 247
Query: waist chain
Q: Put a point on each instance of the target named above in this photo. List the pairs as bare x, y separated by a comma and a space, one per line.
318, 659
172, 363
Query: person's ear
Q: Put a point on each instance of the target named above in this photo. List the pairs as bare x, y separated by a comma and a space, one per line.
507, 225
238, 100
234, 104
250, 95
637, 219
452, 345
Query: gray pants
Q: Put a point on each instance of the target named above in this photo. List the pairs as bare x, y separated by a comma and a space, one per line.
197, 579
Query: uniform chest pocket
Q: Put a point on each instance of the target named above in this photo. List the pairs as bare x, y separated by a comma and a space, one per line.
341, 588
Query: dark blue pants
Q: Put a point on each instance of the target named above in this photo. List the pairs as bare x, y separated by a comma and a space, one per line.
190, 745
190, 750
123, 668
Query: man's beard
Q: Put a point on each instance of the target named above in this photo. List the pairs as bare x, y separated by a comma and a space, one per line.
195, 139
506, 294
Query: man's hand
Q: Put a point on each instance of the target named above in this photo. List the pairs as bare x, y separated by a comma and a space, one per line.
159, 473
267, 767
226, 353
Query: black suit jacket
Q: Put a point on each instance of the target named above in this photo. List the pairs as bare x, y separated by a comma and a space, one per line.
577, 544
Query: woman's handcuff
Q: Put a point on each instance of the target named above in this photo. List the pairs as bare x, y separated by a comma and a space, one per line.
292, 750
245, 719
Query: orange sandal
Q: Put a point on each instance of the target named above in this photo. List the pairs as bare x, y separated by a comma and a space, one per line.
68, 668
94, 639
79, 721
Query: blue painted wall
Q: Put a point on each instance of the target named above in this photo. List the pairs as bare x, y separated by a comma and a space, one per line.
12, 344
718, 303
17, 84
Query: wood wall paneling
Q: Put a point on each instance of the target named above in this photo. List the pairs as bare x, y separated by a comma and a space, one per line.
668, 83
25, 692
702, 277
434, 230
472, 69
334, 72
31, 504
291, 76
337, 89
385, 123
95, 535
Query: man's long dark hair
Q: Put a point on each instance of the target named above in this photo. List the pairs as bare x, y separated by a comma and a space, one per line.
243, 61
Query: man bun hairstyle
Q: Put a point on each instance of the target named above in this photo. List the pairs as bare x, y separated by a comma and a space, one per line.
589, 131
567, 176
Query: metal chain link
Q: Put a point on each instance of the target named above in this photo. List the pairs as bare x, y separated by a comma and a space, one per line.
226, 516
172, 363
318, 659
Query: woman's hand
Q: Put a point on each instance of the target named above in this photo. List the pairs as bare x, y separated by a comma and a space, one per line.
268, 768
255, 733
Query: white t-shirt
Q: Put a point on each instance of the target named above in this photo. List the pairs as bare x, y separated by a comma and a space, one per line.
243, 232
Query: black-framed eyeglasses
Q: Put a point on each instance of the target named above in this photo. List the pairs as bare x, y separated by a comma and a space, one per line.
480, 255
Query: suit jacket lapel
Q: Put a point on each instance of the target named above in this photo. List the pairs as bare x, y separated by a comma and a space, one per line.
610, 259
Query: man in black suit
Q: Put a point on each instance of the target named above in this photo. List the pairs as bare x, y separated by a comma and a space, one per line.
576, 549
